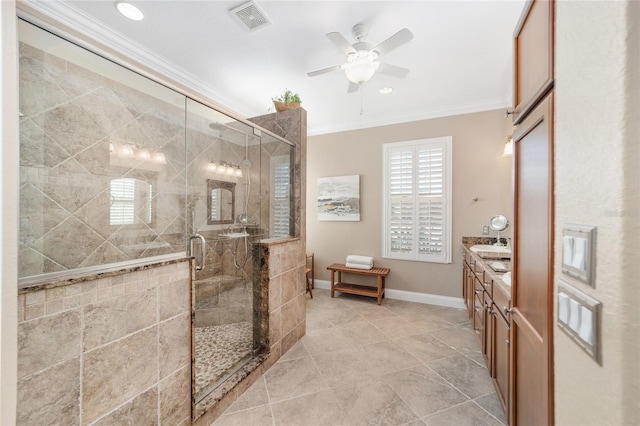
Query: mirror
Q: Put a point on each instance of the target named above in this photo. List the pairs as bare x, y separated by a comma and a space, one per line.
221, 200
499, 223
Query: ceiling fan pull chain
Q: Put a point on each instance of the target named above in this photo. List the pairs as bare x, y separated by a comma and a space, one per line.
361, 101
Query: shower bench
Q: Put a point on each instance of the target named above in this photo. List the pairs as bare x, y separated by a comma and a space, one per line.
361, 290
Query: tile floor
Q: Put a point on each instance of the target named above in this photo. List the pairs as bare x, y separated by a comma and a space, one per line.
400, 363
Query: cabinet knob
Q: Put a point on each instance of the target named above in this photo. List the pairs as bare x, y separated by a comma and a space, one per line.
506, 310
507, 113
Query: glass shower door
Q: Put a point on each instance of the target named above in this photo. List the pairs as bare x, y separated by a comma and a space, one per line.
223, 187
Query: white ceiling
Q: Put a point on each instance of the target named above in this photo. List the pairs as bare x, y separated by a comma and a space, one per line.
460, 57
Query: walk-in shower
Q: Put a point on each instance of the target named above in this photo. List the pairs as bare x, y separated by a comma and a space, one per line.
120, 175
234, 171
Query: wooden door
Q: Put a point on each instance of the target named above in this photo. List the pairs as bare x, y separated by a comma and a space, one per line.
532, 292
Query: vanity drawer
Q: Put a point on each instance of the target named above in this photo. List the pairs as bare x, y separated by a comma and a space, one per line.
502, 302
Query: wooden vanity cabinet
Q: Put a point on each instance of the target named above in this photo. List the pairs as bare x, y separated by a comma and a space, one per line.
533, 56
489, 306
499, 360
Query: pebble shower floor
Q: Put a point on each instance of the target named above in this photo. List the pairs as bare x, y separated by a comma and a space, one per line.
219, 348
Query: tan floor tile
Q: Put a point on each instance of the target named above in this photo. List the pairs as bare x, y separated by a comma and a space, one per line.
325, 340
401, 363
423, 390
344, 366
467, 414
362, 333
255, 396
461, 338
320, 408
425, 347
464, 374
373, 402
258, 416
288, 379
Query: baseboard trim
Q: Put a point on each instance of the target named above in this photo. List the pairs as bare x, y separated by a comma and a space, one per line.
410, 296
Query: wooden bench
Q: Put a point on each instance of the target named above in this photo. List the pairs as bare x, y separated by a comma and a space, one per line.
362, 290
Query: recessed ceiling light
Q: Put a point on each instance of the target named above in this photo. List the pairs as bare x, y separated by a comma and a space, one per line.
386, 90
130, 11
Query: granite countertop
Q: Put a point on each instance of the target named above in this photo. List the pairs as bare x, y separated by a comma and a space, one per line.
468, 242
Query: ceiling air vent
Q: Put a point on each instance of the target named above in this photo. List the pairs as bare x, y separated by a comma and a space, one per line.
250, 16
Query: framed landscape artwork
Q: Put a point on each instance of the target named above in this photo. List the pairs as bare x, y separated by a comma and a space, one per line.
339, 198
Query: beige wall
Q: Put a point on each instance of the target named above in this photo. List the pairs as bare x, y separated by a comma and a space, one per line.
479, 170
597, 183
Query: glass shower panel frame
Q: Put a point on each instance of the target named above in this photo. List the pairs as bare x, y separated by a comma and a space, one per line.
220, 150
102, 164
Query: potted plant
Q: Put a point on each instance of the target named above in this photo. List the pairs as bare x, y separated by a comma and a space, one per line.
288, 100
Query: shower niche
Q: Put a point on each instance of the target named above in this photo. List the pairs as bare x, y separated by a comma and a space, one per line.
239, 192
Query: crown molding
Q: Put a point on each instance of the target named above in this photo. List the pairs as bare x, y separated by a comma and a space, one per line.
63, 18
418, 116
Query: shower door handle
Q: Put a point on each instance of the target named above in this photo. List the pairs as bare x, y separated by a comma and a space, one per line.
203, 249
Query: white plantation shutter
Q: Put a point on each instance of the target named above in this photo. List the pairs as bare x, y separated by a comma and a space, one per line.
123, 192
124, 203
417, 192
281, 190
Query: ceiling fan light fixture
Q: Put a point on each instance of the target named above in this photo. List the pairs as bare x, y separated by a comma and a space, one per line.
361, 71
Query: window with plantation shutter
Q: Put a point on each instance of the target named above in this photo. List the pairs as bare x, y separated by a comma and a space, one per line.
417, 200
281, 199
123, 193
131, 202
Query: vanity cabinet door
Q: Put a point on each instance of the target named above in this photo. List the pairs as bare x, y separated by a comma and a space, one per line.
468, 285
533, 56
500, 356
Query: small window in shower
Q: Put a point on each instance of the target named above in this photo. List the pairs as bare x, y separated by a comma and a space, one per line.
281, 190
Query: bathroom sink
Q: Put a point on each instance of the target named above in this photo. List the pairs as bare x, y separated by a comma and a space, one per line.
491, 252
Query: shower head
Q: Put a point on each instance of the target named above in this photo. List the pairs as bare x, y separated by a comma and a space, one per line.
217, 126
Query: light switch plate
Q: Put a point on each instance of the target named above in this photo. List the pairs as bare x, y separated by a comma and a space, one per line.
579, 317
579, 252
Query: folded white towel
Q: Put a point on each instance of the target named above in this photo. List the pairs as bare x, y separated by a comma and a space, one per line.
362, 260
358, 266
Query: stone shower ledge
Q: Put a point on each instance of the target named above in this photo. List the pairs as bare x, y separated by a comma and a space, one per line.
278, 240
64, 278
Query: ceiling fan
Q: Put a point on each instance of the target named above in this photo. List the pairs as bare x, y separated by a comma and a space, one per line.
362, 58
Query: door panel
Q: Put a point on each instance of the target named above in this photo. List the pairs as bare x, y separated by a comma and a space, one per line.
532, 325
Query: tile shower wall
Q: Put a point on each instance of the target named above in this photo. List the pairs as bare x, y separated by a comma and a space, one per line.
113, 350
283, 286
78, 131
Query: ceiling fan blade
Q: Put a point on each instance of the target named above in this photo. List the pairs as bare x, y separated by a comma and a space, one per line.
341, 43
393, 70
396, 40
353, 87
323, 71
